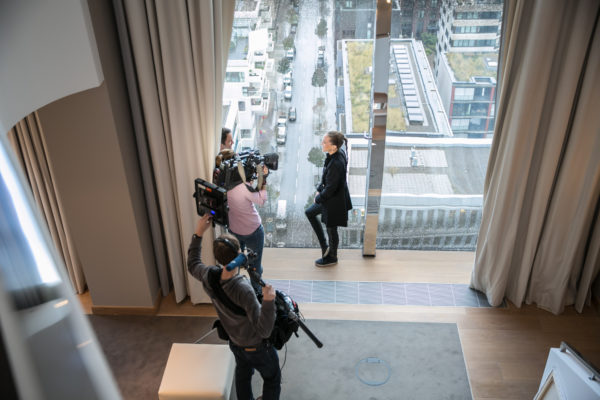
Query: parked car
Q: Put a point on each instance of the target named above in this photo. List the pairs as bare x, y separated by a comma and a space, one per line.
290, 53
321, 56
282, 119
281, 135
287, 93
287, 79
280, 219
292, 114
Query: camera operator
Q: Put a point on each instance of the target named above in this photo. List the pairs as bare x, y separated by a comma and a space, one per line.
246, 333
244, 221
226, 139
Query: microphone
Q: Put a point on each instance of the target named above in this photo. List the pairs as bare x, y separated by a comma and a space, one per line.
239, 261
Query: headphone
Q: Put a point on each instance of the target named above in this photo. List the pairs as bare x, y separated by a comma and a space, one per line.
227, 242
231, 265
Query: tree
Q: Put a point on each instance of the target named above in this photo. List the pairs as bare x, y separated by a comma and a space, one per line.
429, 40
323, 8
316, 156
319, 79
288, 42
321, 29
292, 16
319, 110
284, 65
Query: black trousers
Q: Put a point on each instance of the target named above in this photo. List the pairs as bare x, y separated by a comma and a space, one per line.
262, 358
311, 213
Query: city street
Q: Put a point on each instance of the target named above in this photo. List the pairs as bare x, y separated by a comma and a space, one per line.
296, 175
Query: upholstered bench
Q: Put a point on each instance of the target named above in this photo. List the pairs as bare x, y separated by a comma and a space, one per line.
197, 371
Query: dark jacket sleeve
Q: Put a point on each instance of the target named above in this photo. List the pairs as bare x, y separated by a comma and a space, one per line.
334, 178
194, 263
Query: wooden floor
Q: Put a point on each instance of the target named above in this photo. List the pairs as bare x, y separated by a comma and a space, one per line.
505, 349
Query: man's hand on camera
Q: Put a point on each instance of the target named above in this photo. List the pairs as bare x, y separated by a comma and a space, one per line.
202, 225
268, 293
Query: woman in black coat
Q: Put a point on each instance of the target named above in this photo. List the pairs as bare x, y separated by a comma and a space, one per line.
333, 198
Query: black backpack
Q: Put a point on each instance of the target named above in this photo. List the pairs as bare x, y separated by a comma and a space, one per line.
285, 323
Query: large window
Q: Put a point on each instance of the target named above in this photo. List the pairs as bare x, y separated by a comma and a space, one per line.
298, 69
462, 93
478, 14
474, 43
475, 29
234, 76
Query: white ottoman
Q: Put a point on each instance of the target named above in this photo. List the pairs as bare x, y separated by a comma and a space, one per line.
198, 371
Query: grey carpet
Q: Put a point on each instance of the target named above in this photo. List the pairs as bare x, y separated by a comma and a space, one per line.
425, 359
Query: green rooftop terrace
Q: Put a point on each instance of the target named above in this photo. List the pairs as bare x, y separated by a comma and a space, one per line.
360, 60
466, 65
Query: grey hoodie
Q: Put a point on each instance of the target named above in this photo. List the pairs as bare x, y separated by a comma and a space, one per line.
248, 330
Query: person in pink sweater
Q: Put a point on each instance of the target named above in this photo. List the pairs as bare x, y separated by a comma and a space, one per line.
244, 221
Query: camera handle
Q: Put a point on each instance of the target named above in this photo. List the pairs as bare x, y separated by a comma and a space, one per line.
291, 315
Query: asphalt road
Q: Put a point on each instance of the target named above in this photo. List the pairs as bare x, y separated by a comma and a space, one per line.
296, 181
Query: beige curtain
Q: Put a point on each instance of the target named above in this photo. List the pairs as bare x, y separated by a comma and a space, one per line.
28, 143
540, 234
179, 53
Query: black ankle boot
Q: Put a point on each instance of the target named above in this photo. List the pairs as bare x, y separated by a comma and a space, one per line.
326, 261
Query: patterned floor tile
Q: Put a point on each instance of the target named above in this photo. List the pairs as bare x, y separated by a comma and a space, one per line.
346, 292
323, 292
417, 294
393, 293
370, 293
465, 296
441, 295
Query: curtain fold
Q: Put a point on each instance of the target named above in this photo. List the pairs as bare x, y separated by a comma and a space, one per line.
574, 235
28, 143
541, 194
178, 57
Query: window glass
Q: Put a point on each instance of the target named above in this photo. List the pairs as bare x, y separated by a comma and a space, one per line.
297, 69
434, 167
234, 76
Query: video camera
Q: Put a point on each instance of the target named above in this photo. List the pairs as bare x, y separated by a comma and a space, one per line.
244, 167
211, 199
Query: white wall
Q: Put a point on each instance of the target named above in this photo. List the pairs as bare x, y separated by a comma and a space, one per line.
47, 51
80, 94
444, 82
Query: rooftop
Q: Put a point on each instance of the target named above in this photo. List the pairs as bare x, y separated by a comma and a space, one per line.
246, 5
413, 102
468, 65
444, 168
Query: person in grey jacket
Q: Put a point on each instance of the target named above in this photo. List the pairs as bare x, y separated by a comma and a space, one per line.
248, 334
